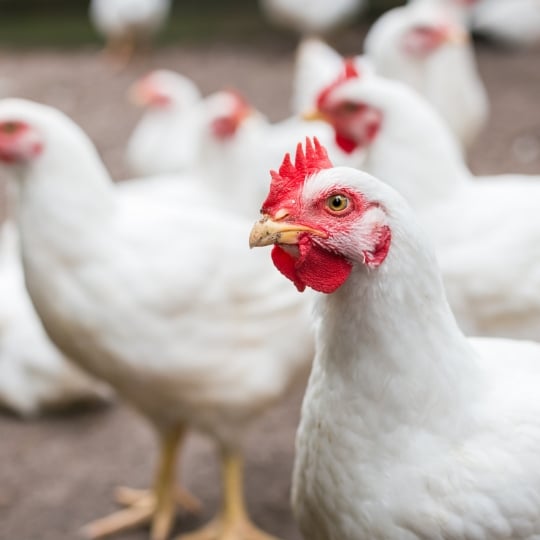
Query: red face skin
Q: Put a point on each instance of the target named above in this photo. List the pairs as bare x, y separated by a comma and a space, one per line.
147, 93
355, 124
423, 40
317, 259
19, 143
315, 262
225, 127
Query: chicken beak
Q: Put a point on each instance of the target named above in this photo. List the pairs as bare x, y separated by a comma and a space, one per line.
314, 115
456, 35
137, 94
268, 231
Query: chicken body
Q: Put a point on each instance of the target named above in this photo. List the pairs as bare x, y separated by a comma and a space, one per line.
128, 24
221, 140
166, 138
34, 375
311, 17
409, 430
236, 166
425, 46
317, 65
511, 22
157, 296
471, 221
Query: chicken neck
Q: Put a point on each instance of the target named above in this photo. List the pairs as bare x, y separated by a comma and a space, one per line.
388, 344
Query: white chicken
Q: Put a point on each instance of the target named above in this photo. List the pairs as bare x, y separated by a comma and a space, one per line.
409, 430
231, 156
221, 140
511, 22
425, 45
405, 143
166, 139
311, 17
34, 376
239, 146
158, 296
127, 24
514, 23
317, 65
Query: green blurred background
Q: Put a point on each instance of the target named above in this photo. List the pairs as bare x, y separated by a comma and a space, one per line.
64, 23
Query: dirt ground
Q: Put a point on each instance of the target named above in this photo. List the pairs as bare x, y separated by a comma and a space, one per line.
58, 473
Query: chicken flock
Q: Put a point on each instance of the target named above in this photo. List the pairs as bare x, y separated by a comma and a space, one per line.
148, 290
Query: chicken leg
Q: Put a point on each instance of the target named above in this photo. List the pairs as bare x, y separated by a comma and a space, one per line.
156, 506
119, 50
233, 522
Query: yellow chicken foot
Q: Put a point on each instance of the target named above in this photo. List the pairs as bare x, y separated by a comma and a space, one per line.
157, 506
127, 496
233, 522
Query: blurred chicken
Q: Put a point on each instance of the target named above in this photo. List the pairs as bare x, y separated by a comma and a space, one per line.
514, 23
34, 376
239, 146
473, 223
511, 22
311, 17
166, 139
317, 65
158, 296
409, 430
221, 140
425, 45
128, 24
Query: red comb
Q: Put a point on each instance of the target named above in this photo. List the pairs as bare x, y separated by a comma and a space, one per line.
350, 71
288, 181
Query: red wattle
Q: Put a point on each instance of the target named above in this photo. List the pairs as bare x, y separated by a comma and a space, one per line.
346, 144
316, 268
285, 263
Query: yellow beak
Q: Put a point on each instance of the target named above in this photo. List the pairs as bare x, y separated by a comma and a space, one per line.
267, 231
137, 94
313, 115
456, 35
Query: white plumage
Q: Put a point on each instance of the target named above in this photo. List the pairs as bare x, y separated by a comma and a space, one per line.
126, 24
236, 167
317, 65
34, 375
424, 45
165, 140
158, 296
409, 430
220, 141
486, 231
311, 17
512, 22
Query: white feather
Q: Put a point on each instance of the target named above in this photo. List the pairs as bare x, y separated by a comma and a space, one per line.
166, 140
158, 296
409, 430
447, 78
512, 22
116, 18
34, 375
310, 17
485, 230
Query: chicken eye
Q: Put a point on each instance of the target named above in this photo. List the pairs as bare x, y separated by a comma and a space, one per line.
349, 107
9, 127
337, 203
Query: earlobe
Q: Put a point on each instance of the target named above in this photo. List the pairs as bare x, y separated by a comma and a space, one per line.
374, 257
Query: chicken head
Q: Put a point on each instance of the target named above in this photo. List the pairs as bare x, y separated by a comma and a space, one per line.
312, 214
